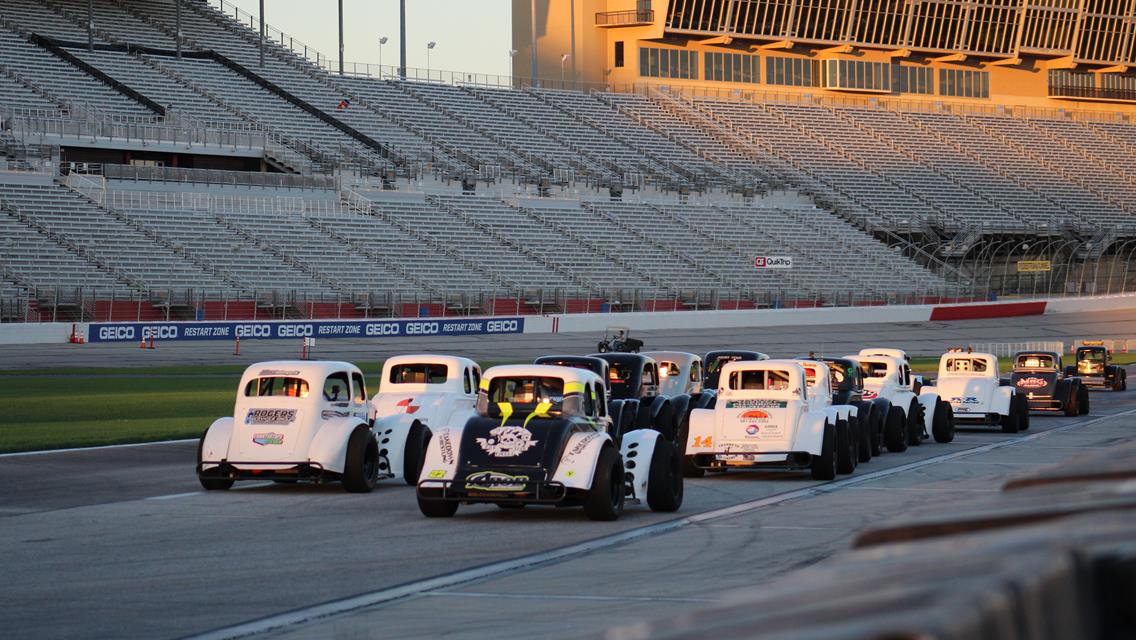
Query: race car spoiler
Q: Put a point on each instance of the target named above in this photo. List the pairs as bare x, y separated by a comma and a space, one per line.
511, 491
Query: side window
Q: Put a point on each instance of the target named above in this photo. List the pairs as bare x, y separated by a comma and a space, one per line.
360, 387
590, 400
601, 401
696, 371
337, 388
618, 54
649, 374
468, 378
476, 379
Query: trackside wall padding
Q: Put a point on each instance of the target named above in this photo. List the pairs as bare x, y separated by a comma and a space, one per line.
974, 312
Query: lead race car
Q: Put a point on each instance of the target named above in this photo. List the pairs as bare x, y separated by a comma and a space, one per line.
1093, 364
542, 436
294, 420
767, 416
417, 392
1041, 377
970, 382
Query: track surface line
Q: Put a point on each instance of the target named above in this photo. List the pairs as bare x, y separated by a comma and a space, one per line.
438, 583
42, 452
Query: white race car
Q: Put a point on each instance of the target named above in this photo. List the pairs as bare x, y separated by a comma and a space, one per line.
971, 383
416, 394
542, 436
767, 416
919, 414
294, 421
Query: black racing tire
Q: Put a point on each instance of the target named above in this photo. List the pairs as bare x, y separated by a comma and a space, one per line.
943, 422
604, 501
664, 480
876, 433
682, 433
689, 470
1083, 400
361, 468
436, 507
1023, 412
1011, 422
823, 467
414, 454
895, 430
208, 482
864, 438
1117, 382
1073, 403
626, 422
916, 423
845, 448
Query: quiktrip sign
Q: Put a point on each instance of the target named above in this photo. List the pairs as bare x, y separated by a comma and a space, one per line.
773, 262
289, 329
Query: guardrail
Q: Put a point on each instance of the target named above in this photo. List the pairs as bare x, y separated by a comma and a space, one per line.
624, 18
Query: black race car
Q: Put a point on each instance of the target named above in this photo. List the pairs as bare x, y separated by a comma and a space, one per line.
1047, 385
1093, 366
713, 361
848, 388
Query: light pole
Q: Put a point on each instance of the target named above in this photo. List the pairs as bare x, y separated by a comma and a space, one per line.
429, 45
382, 41
512, 54
563, 58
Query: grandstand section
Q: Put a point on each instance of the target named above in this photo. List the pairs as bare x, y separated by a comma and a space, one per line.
188, 178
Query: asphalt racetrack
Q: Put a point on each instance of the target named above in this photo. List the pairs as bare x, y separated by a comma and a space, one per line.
121, 542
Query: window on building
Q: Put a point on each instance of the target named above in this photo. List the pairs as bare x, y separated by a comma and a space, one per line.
795, 72
668, 63
619, 54
857, 75
731, 67
964, 83
906, 79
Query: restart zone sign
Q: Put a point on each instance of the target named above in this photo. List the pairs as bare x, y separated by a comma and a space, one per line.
138, 331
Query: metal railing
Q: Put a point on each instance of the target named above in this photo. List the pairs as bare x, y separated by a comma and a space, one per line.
624, 18
213, 177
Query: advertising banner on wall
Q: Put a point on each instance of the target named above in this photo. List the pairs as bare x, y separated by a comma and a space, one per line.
773, 262
282, 330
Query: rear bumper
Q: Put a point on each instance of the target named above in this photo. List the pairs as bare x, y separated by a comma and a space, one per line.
791, 460
261, 470
1045, 403
527, 492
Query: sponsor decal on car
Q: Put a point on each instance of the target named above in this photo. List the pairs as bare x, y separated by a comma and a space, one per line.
495, 481
437, 473
751, 431
264, 439
869, 395
266, 373
754, 415
756, 404
507, 442
408, 406
446, 446
270, 416
1032, 383
960, 403
328, 414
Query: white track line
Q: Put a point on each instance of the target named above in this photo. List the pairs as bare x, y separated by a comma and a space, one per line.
43, 452
437, 583
541, 596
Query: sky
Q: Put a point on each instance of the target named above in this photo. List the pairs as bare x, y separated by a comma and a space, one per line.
472, 35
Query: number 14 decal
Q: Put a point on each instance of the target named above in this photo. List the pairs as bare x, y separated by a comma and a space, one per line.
703, 441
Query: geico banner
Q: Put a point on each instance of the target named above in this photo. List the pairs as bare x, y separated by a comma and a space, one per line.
773, 262
280, 330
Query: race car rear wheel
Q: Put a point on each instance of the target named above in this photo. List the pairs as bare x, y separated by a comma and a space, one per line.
436, 508
605, 499
1083, 400
414, 454
943, 422
664, 482
1073, 403
208, 482
824, 466
1011, 422
846, 458
895, 430
915, 423
1023, 412
361, 468
862, 432
876, 431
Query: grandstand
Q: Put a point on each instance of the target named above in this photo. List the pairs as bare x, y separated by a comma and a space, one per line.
146, 176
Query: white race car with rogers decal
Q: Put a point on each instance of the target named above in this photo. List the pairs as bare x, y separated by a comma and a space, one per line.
416, 394
919, 414
542, 436
767, 416
971, 383
294, 420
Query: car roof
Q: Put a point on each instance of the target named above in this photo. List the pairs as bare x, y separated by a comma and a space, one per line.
1052, 354
760, 365
623, 358
429, 358
680, 357
297, 368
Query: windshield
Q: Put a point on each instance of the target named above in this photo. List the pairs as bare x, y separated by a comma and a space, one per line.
759, 380
668, 369
527, 390
874, 369
622, 379
1035, 361
419, 374
717, 362
966, 365
1092, 355
277, 386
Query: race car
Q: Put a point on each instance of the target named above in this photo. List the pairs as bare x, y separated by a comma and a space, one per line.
766, 416
417, 392
849, 436
920, 414
622, 412
634, 376
916, 379
847, 382
681, 373
294, 420
541, 436
970, 382
1041, 377
712, 362
1094, 366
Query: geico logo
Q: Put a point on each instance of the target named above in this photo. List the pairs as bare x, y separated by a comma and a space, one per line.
116, 333
160, 333
294, 331
421, 328
384, 329
500, 326
253, 331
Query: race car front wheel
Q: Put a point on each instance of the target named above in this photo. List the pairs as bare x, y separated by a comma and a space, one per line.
605, 499
361, 469
895, 430
664, 483
943, 422
211, 483
1083, 400
415, 452
846, 457
436, 508
824, 466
